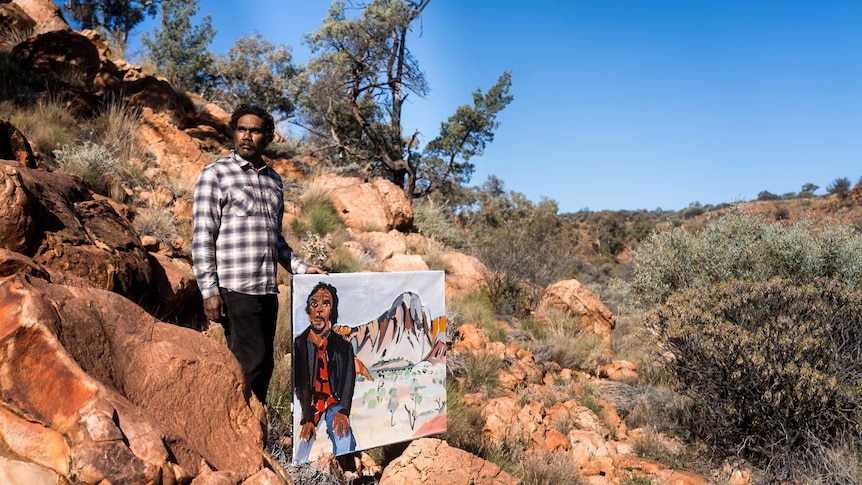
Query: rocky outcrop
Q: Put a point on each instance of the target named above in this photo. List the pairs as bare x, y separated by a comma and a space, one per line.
92, 388
433, 462
71, 232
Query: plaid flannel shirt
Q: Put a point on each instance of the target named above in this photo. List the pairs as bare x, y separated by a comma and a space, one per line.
237, 239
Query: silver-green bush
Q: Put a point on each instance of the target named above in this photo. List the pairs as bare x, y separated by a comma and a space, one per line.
745, 247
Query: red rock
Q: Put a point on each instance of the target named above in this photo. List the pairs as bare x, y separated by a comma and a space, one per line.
379, 205
133, 397
433, 462
14, 145
45, 13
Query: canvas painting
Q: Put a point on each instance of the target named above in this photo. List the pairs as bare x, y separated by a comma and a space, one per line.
369, 360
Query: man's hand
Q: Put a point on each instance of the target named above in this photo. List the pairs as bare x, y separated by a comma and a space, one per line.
315, 270
213, 308
308, 431
340, 424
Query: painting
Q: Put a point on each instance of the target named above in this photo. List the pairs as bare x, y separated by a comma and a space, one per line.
369, 360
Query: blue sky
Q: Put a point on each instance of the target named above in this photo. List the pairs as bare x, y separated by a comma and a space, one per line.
623, 104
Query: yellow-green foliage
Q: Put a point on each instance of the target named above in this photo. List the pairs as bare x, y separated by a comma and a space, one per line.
565, 342
476, 308
462, 421
48, 125
773, 368
481, 372
433, 223
118, 126
318, 216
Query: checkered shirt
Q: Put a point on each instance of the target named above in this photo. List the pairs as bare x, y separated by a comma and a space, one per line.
237, 237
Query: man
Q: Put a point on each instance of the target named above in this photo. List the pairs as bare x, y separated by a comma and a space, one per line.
238, 206
325, 375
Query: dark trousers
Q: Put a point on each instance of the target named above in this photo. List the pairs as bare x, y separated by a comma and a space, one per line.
250, 332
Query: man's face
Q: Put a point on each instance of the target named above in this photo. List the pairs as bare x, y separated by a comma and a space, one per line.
248, 137
320, 306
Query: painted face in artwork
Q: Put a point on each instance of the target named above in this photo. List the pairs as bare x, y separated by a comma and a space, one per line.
320, 307
248, 137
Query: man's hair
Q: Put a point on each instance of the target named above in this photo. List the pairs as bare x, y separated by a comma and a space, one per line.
333, 314
253, 109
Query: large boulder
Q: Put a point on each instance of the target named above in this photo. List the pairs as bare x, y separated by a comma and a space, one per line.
96, 390
464, 273
577, 301
176, 152
60, 51
45, 13
433, 462
378, 205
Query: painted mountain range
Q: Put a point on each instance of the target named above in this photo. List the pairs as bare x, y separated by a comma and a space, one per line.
403, 336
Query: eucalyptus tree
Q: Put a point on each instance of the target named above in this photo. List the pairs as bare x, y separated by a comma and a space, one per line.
255, 70
180, 50
354, 91
115, 17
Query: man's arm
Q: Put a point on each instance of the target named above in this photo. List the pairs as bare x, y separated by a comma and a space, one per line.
206, 220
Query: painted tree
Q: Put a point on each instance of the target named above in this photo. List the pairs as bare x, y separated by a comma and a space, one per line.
355, 88
115, 17
180, 50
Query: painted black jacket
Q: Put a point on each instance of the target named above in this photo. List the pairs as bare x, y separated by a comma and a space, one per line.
342, 372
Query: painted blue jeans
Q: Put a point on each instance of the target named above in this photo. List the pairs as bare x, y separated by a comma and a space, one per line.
340, 444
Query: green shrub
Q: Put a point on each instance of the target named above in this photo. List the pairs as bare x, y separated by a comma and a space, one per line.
315, 249
741, 246
463, 421
318, 215
432, 222
118, 127
474, 307
342, 261
480, 373
839, 187
95, 164
525, 246
569, 345
547, 469
48, 126
773, 368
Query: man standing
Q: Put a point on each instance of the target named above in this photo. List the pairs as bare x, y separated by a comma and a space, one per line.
238, 206
325, 375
